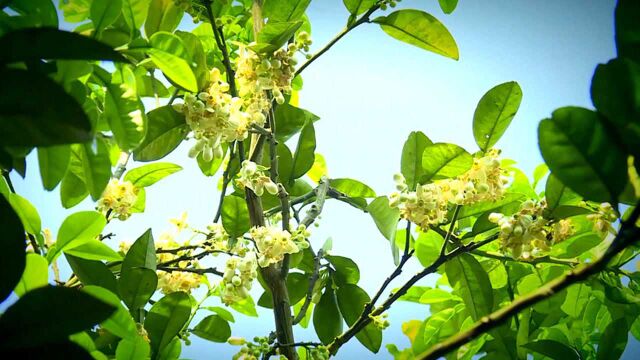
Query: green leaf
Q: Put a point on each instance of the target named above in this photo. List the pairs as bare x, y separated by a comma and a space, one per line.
166, 318
304, 156
133, 349
484, 206
297, 286
615, 92
557, 194
290, 120
245, 306
120, 323
38, 13
581, 153
351, 301
411, 162
36, 274
448, 6
166, 128
76, 10
222, 312
275, 34
576, 300
150, 174
494, 113
326, 317
357, 7
197, 56
44, 43
135, 12
235, 216
104, 13
141, 254
385, 217
77, 229
428, 245
95, 169
347, 271
136, 287
53, 162
73, 189
27, 213
435, 296
94, 250
420, 29
169, 54
45, 117
552, 349
614, 340
91, 272
352, 188
441, 160
50, 314
627, 29
213, 328
284, 10
124, 111
436, 322
164, 15
471, 281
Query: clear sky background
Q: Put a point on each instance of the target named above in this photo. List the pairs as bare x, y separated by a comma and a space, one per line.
370, 92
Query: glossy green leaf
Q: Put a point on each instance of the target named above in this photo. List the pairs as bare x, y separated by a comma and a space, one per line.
53, 162
614, 340
434, 296
197, 56
290, 120
166, 128
27, 213
411, 162
39, 13
615, 92
471, 281
297, 286
136, 287
222, 312
94, 250
169, 54
304, 155
352, 188
443, 160
45, 117
36, 274
44, 43
275, 34
166, 318
213, 328
428, 245
385, 217
148, 175
44, 316
420, 29
235, 216
133, 349
72, 190
164, 15
582, 154
326, 317
135, 12
91, 272
627, 29
77, 229
95, 170
141, 254
557, 194
351, 301
104, 12
357, 7
552, 349
347, 271
436, 322
448, 6
120, 322
284, 10
494, 113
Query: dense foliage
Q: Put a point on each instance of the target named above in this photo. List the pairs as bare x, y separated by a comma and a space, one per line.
527, 268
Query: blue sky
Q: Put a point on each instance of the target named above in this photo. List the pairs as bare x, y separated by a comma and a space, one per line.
370, 92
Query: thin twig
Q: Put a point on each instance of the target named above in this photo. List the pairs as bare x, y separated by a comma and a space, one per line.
312, 284
191, 270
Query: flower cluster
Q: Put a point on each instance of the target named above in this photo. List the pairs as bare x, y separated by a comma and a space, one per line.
251, 350
118, 198
252, 176
238, 278
527, 233
390, 3
428, 205
380, 321
603, 218
273, 243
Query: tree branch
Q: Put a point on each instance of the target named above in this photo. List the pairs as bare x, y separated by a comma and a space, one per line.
312, 284
629, 233
191, 270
